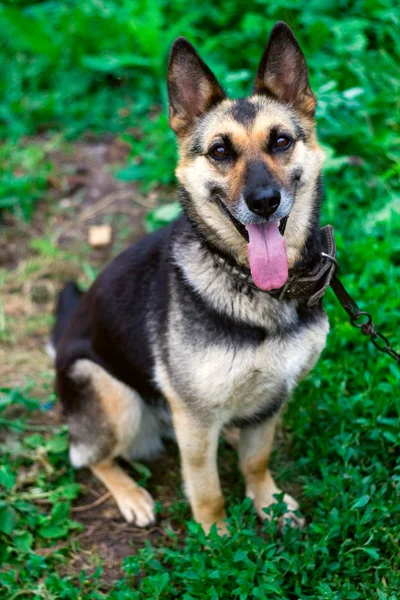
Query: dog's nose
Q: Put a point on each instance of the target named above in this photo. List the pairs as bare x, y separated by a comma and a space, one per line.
264, 202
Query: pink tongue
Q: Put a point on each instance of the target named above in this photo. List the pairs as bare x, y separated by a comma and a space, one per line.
267, 256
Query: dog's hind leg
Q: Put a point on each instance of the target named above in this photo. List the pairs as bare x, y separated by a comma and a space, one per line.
254, 453
105, 417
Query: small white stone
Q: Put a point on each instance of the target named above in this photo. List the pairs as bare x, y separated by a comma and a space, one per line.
100, 235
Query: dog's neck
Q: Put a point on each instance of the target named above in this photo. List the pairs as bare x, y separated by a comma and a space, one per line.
226, 256
204, 265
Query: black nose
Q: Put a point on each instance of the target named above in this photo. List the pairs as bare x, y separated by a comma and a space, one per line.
264, 202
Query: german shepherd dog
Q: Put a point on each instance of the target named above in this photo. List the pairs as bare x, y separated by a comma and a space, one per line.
182, 334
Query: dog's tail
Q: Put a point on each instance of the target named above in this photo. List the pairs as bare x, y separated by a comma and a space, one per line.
68, 300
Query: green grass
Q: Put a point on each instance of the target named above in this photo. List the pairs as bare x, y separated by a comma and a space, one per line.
100, 66
24, 171
79, 66
342, 448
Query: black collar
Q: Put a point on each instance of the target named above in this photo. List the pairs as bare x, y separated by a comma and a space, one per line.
306, 285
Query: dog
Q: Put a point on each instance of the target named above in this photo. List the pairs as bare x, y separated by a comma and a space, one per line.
187, 332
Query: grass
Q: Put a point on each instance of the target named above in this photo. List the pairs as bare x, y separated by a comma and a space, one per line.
75, 67
100, 67
349, 476
24, 173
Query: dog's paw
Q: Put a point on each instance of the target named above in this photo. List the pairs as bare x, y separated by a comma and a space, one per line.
288, 516
136, 505
222, 528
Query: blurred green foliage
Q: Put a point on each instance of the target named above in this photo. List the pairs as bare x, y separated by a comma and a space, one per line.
24, 170
100, 66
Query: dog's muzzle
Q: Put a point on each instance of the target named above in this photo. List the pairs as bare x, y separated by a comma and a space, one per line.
240, 227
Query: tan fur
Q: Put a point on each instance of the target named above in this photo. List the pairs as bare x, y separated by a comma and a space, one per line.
254, 454
122, 407
124, 411
134, 502
237, 179
198, 451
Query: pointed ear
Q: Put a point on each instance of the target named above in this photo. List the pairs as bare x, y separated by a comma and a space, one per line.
283, 73
192, 87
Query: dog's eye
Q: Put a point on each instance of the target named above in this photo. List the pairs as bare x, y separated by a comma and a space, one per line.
219, 152
282, 142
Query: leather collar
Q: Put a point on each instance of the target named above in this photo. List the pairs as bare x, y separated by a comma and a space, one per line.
306, 285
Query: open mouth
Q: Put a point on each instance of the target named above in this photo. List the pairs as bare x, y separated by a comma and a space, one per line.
266, 250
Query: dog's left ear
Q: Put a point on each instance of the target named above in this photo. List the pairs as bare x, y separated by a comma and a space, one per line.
283, 73
192, 86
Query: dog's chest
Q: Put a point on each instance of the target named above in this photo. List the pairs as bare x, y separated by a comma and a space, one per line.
234, 376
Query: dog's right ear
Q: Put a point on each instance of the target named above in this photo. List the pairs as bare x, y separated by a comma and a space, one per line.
192, 87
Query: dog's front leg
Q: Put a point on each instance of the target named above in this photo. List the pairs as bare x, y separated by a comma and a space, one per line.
198, 450
255, 446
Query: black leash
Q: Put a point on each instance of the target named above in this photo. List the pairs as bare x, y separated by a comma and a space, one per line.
362, 320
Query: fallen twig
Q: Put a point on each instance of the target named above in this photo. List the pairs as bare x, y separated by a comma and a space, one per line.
97, 502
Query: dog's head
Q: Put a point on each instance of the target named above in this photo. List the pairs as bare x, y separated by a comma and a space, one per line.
245, 165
